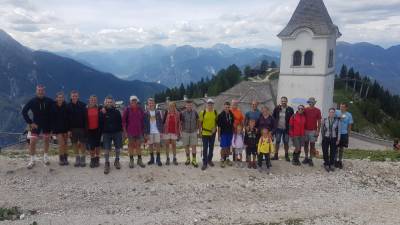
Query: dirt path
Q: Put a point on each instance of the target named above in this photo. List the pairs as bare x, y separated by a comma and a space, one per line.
363, 193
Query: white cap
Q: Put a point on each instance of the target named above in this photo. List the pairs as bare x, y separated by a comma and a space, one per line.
133, 97
210, 101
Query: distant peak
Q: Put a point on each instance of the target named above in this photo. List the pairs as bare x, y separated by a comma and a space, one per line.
221, 46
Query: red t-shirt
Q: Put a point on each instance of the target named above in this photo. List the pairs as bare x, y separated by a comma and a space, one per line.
172, 123
312, 116
93, 118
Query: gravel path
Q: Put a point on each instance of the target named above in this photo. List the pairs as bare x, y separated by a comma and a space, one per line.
363, 193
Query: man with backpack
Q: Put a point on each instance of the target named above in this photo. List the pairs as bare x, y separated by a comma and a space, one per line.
208, 127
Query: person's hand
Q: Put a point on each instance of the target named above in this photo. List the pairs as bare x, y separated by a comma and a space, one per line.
103, 110
125, 134
337, 142
34, 126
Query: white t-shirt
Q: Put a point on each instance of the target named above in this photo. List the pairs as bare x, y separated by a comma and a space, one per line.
153, 123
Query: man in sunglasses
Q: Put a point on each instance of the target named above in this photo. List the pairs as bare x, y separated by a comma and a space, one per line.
282, 114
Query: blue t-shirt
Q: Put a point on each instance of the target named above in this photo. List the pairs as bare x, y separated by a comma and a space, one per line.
346, 119
253, 115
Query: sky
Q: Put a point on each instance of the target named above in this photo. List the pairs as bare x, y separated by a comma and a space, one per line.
81, 25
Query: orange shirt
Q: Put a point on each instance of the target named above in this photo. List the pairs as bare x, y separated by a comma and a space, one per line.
93, 118
238, 117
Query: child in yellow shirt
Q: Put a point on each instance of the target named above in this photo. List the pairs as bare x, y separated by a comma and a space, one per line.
265, 148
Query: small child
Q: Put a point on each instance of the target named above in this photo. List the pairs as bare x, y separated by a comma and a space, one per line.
251, 138
237, 144
265, 148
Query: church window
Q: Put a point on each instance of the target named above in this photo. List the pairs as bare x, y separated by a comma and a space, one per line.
297, 58
308, 58
330, 64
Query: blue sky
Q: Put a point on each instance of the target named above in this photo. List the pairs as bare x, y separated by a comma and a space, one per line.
99, 24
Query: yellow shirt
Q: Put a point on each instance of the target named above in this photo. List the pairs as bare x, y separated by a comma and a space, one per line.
209, 124
265, 145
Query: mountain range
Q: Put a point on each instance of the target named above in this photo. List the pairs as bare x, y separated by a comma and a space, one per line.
21, 69
173, 65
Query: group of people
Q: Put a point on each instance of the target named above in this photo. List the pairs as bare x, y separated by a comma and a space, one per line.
257, 133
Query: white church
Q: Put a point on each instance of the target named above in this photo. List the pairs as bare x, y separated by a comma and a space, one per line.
307, 67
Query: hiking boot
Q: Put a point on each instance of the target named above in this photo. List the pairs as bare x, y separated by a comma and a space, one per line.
66, 163
269, 165
97, 161
61, 160
31, 164
222, 164
46, 160
107, 168
204, 167
92, 163
332, 168
158, 160
340, 165
296, 160
83, 161
168, 161
140, 163
287, 158
229, 162
187, 161
151, 161
175, 161
194, 163
211, 163
310, 163
305, 161
326, 167
249, 165
77, 161
117, 165
254, 165
131, 163
275, 157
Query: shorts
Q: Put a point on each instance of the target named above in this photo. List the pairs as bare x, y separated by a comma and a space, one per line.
93, 139
116, 138
189, 139
310, 136
135, 138
251, 150
344, 141
298, 142
226, 140
170, 136
281, 134
238, 151
40, 132
78, 135
153, 139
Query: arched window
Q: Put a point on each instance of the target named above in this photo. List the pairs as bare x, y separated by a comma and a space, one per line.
308, 58
330, 64
297, 58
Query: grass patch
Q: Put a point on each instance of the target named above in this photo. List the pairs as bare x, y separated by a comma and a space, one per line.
10, 213
379, 156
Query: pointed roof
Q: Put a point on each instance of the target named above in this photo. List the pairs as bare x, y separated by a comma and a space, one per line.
310, 14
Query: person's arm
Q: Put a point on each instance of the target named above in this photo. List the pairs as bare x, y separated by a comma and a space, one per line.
124, 118
350, 124
319, 124
25, 110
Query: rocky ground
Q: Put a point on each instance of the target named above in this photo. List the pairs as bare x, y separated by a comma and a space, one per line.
363, 193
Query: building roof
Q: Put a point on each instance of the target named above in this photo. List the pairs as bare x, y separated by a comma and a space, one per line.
311, 14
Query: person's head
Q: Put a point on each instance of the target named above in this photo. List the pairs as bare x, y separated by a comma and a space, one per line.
151, 104
74, 96
254, 105
109, 102
227, 106
60, 98
252, 123
284, 101
344, 107
172, 106
40, 91
300, 109
265, 132
210, 104
332, 113
311, 102
235, 103
133, 100
265, 111
239, 129
189, 105
93, 101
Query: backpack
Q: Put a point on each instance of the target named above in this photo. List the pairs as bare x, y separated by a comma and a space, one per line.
204, 114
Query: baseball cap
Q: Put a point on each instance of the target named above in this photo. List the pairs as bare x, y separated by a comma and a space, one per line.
210, 101
311, 100
133, 97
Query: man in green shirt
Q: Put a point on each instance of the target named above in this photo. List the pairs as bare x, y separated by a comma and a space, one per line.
208, 127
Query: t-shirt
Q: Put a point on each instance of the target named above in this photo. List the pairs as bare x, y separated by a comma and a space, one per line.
238, 117
153, 123
93, 118
209, 122
282, 119
312, 116
346, 119
252, 115
225, 122
172, 123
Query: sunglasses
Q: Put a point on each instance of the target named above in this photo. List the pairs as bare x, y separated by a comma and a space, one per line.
301, 108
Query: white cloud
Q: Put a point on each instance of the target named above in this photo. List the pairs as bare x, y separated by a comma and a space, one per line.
100, 24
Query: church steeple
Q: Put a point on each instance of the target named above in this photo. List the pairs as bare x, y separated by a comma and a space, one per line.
311, 14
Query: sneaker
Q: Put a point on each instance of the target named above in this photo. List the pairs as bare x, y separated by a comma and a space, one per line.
187, 161
77, 161
254, 165
131, 163
287, 158
222, 164
107, 168
204, 167
175, 161
140, 163
332, 168
46, 160
211, 163
83, 161
92, 163
31, 164
151, 161
336, 164
275, 157
229, 162
117, 165
168, 162
249, 165
66, 163
97, 161
326, 167
194, 163
305, 161
310, 163
61, 160
340, 165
